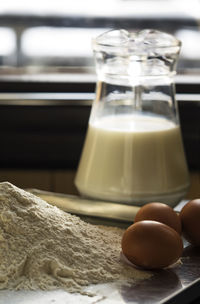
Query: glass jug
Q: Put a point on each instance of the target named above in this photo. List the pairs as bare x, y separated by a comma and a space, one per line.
133, 151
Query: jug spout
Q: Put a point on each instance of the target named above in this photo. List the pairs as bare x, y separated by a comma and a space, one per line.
136, 54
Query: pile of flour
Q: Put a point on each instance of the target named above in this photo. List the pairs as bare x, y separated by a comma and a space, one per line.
42, 247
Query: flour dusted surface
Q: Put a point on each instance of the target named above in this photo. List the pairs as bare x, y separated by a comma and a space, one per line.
42, 247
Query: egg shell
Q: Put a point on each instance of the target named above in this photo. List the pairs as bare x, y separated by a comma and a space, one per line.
160, 212
190, 219
151, 245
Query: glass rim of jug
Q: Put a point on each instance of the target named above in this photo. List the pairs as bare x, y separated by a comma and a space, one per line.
133, 55
123, 42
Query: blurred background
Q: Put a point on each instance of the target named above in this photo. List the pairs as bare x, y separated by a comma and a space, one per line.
47, 81
46, 35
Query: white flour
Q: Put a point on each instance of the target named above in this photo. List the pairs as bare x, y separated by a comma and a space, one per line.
42, 247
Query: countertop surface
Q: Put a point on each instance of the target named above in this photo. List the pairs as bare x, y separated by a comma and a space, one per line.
178, 284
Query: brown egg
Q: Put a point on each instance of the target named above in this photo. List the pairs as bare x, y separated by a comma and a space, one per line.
190, 219
159, 212
151, 245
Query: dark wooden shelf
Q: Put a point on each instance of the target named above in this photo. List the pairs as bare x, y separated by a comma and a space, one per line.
49, 132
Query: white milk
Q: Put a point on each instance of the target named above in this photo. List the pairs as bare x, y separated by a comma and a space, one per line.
133, 158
